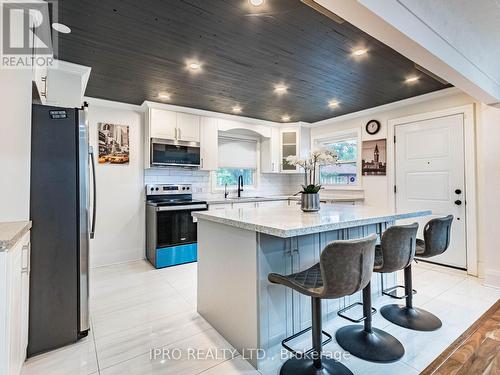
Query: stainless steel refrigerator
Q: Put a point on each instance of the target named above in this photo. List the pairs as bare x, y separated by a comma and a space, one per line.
62, 188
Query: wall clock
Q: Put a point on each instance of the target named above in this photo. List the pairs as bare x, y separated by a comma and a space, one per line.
372, 127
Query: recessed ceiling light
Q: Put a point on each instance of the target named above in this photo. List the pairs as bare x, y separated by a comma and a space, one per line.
359, 52
236, 109
164, 96
333, 103
194, 66
61, 28
412, 79
256, 3
280, 89
285, 118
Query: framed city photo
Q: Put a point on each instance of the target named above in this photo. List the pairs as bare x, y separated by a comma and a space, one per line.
374, 155
113, 143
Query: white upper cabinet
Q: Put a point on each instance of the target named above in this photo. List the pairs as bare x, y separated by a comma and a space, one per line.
163, 124
63, 84
295, 141
270, 152
208, 144
276, 142
289, 147
174, 125
188, 127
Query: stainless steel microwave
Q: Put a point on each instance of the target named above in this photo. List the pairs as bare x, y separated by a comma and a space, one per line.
166, 152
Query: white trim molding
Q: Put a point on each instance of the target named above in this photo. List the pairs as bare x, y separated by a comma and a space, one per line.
492, 278
390, 106
470, 171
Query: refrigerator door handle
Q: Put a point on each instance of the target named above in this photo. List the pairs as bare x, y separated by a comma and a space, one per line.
94, 192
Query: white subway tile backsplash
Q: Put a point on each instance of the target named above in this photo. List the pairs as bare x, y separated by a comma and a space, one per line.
269, 184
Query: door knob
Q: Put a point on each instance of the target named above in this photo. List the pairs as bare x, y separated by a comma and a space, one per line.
458, 202
458, 191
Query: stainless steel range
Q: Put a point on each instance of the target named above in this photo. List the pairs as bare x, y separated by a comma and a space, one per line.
170, 228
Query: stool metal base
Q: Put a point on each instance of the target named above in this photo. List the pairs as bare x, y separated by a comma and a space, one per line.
305, 366
374, 346
294, 352
359, 320
411, 317
393, 292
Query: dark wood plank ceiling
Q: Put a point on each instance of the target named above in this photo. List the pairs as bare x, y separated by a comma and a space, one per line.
139, 48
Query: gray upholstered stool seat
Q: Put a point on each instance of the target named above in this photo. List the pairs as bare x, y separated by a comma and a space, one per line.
395, 252
420, 247
345, 267
437, 239
308, 282
379, 258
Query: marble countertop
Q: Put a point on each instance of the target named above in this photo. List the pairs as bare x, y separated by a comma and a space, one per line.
12, 232
290, 221
277, 198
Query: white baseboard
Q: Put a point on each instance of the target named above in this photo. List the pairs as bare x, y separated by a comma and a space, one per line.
492, 278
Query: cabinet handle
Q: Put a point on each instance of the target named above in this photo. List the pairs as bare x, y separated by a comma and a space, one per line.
25, 250
201, 164
44, 92
179, 133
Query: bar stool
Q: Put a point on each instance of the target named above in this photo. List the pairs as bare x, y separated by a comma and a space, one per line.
345, 267
365, 341
437, 239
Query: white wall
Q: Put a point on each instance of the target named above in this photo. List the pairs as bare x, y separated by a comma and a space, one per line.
119, 233
376, 188
15, 144
488, 182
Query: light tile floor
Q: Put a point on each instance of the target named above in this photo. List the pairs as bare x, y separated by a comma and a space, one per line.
135, 308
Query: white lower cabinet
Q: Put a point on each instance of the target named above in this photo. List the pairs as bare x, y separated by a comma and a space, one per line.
219, 206
252, 204
14, 306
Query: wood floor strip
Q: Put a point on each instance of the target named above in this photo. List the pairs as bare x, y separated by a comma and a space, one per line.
476, 351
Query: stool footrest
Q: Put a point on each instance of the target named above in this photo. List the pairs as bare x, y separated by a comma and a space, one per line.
294, 336
342, 311
392, 292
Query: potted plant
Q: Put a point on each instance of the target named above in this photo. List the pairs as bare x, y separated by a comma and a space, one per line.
310, 189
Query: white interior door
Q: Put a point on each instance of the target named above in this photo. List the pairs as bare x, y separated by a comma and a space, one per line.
430, 175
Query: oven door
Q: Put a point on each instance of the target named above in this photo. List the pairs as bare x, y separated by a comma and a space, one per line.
175, 225
179, 153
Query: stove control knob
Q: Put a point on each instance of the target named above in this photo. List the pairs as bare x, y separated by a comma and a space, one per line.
157, 189
152, 189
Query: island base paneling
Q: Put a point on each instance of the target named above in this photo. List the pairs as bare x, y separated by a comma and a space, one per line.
235, 296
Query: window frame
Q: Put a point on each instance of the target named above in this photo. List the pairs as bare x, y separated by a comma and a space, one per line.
340, 136
234, 188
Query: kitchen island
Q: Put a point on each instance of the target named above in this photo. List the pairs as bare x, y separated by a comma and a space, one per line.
238, 248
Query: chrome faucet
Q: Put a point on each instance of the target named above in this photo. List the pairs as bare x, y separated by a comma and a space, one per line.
240, 185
